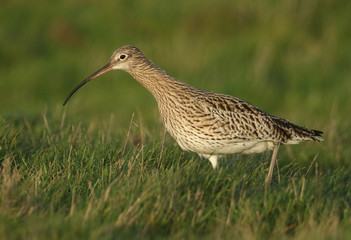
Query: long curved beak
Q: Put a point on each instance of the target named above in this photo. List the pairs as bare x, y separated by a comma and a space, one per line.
102, 70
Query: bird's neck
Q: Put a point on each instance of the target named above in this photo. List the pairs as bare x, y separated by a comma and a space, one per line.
157, 81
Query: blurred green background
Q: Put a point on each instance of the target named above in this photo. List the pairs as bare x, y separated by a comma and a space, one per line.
289, 58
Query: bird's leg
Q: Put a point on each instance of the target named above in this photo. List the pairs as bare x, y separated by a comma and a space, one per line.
213, 159
271, 166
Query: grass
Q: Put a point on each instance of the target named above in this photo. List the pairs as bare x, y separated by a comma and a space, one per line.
102, 167
64, 181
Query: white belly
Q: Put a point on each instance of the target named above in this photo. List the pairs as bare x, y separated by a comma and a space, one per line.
225, 147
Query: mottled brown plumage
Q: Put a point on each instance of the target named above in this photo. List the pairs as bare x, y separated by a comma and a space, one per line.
210, 124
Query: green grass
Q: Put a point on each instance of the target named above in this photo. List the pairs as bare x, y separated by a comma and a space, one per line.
65, 181
102, 168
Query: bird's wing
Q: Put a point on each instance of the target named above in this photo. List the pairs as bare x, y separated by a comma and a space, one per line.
240, 120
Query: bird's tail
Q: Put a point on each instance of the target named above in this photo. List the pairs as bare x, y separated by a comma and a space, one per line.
304, 134
316, 135
295, 134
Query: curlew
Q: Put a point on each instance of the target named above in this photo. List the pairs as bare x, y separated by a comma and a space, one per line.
210, 124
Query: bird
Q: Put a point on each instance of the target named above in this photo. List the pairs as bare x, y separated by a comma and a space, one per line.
207, 123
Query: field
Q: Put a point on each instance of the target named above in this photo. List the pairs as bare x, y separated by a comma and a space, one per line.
102, 167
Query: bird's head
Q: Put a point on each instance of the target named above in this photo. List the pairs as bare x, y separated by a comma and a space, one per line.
124, 58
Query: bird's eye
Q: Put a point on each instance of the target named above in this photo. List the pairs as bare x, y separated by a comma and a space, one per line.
122, 57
